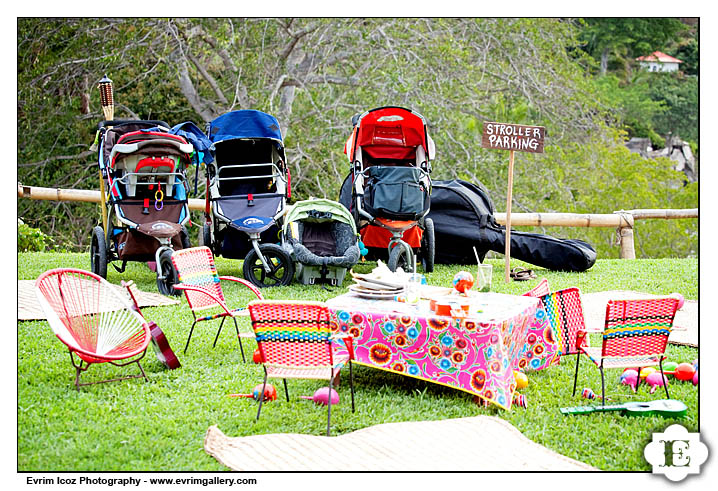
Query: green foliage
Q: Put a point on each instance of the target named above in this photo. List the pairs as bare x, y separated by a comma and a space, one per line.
679, 95
32, 239
315, 73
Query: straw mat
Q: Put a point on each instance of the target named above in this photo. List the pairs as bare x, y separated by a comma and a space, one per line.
685, 323
29, 309
480, 443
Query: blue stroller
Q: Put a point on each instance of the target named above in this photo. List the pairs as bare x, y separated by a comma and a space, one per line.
248, 184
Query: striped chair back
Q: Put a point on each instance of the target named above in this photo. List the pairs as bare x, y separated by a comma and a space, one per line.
195, 266
539, 290
638, 327
292, 333
564, 312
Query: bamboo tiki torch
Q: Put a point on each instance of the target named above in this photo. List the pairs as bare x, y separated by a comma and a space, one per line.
108, 109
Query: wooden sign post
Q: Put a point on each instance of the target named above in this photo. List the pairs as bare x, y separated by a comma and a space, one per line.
512, 137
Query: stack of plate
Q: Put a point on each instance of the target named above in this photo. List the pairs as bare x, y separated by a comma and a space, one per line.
367, 286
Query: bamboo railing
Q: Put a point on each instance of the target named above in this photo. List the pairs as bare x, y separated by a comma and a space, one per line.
622, 220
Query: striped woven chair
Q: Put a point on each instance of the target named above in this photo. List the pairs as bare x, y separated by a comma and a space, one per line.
635, 335
565, 314
198, 278
97, 323
295, 341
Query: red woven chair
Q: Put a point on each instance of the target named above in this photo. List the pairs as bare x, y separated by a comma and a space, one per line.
93, 319
635, 335
295, 341
198, 278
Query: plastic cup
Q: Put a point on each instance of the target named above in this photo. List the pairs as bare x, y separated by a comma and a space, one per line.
484, 274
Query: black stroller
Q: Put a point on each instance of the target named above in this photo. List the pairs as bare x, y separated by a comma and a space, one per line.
248, 184
143, 169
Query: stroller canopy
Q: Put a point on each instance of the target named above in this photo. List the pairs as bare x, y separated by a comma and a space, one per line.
246, 123
319, 209
389, 132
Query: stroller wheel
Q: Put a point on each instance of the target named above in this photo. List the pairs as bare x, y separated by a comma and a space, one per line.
184, 237
205, 236
98, 252
166, 274
401, 256
428, 246
280, 264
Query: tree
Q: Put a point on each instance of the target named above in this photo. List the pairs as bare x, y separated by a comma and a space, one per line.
313, 75
624, 38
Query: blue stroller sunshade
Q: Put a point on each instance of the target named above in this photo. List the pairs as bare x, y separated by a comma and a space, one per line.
247, 123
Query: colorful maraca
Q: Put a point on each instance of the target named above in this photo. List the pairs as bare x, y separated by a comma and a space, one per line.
630, 378
655, 380
270, 393
463, 281
519, 400
684, 371
645, 372
587, 393
321, 396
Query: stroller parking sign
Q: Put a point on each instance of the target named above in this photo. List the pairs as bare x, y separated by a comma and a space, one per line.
512, 137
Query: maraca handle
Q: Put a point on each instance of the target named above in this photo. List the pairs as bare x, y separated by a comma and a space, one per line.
241, 395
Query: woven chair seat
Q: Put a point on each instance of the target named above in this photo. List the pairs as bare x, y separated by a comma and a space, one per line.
594, 354
92, 319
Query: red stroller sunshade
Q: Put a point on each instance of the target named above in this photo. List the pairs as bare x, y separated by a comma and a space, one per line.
391, 132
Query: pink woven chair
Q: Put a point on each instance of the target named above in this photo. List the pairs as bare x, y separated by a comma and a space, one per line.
295, 341
565, 314
635, 335
539, 290
93, 319
198, 278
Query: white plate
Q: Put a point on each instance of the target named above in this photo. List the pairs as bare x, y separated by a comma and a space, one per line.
384, 283
374, 294
376, 286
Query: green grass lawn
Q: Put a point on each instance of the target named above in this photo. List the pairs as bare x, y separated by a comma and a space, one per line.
138, 426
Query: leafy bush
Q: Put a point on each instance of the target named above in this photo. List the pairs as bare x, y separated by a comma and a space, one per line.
32, 239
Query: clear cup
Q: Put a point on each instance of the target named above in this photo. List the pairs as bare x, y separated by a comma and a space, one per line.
484, 273
413, 287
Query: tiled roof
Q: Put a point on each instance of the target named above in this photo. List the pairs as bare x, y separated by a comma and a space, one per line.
659, 56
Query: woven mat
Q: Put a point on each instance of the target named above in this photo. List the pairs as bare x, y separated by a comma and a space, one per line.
29, 309
594, 311
480, 443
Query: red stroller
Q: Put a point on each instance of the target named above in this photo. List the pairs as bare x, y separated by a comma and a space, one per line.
390, 153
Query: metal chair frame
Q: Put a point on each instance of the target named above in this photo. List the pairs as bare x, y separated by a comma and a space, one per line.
208, 298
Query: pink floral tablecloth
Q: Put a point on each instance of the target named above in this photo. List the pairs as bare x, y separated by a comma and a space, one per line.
476, 354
